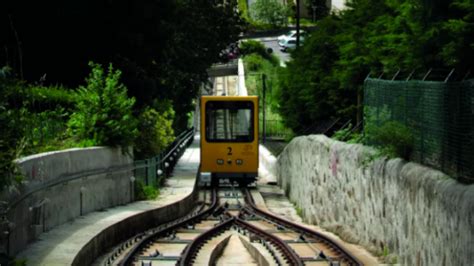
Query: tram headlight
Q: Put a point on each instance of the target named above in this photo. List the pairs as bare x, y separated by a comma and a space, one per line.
220, 161
239, 162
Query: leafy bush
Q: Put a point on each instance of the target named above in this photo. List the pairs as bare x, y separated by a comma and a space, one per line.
271, 12
251, 47
393, 138
156, 131
343, 133
103, 114
43, 129
35, 117
255, 47
348, 135
42, 98
144, 192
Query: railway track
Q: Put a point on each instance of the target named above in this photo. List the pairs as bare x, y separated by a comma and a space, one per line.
227, 220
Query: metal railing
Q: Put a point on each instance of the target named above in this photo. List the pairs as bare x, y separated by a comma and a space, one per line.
153, 170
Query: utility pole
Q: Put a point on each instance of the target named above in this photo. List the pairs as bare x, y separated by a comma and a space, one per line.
298, 23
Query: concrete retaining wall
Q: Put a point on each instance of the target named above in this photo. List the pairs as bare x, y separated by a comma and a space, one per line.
62, 185
417, 213
241, 88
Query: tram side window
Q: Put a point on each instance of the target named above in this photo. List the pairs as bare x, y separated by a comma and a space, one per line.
229, 121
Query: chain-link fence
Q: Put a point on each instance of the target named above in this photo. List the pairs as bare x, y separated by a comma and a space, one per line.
440, 115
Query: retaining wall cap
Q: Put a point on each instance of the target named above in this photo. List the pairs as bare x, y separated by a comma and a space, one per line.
43, 154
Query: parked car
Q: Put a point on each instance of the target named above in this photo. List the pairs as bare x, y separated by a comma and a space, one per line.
289, 35
289, 44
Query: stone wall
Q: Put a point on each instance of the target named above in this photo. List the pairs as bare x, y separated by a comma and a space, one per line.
418, 214
62, 185
266, 165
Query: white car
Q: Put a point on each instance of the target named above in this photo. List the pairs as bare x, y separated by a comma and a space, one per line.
287, 44
289, 35
290, 44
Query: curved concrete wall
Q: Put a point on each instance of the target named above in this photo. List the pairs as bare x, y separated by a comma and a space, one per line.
132, 226
62, 185
242, 89
417, 213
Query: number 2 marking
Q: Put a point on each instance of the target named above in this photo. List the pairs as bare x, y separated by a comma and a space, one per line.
229, 149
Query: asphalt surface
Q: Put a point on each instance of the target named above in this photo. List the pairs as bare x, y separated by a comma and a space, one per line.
273, 44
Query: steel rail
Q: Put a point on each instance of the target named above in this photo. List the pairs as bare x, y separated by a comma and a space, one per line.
300, 229
284, 248
128, 259
189, 252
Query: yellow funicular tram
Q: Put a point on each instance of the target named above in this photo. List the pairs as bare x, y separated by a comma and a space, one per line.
229, 138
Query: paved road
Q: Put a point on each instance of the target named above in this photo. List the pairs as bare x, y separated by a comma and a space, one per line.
284, 57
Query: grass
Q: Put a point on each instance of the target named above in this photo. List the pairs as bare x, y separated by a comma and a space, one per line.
144, 192
303, 22
255, 67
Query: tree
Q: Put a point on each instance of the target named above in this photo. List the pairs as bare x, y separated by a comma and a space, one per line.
458, 49
327, 73
156, 132
162, 47
103, 114
271, 12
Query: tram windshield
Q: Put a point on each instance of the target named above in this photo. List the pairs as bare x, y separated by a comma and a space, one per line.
229, 121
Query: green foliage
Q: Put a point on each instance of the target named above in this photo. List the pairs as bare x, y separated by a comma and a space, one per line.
243, 8
326, 75
342, 133
11, 129
144, 192
348, 134
156, 131
393, 138
43, 129
41, 97
309, 86
271, 12
255, 67
458, 48
20, 262
250, 47
304, 22
163, 48
254, 62
103, 112
250, 23
322, 9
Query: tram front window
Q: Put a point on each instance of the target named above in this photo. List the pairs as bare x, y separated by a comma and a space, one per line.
229, 121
